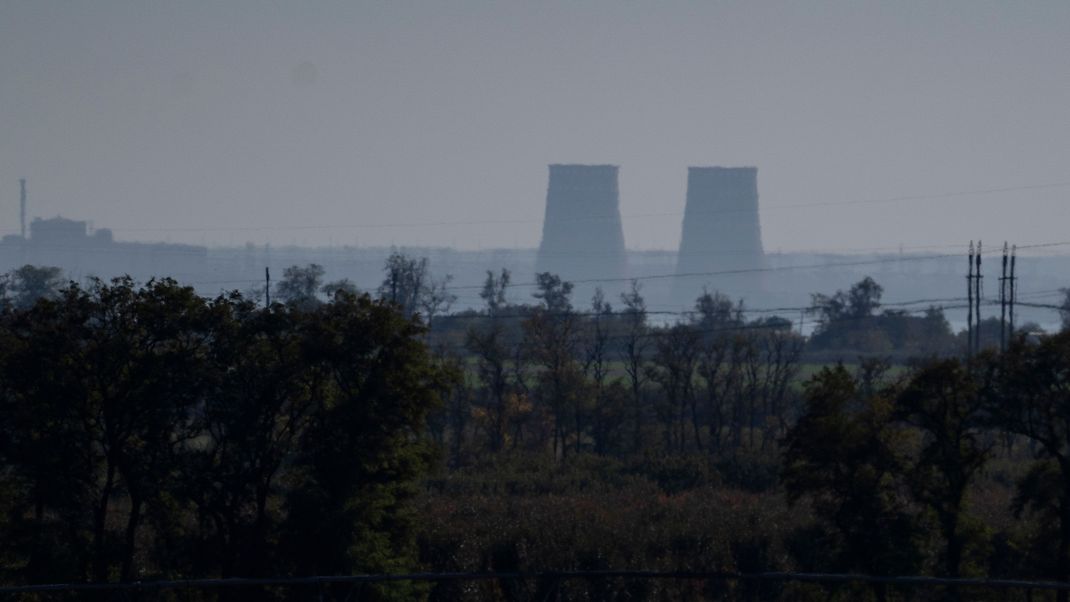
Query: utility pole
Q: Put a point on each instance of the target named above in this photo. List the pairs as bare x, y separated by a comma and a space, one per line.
1014, 286
267, 287
1003, 303
969, 304
977, 299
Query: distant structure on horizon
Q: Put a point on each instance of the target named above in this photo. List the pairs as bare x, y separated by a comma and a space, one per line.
69, 245
722, 232
582, 235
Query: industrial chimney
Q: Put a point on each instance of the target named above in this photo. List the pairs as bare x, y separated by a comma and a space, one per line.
721, 233
582, 236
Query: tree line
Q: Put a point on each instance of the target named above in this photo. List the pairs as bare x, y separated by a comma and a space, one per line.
887, 455
148, 432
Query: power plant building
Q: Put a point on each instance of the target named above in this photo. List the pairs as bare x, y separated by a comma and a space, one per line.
582, 235
68, 244
721, 241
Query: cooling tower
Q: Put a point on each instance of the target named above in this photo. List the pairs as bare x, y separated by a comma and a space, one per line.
721, 233
582, 237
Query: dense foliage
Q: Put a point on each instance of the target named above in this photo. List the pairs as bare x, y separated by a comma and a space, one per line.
150, 433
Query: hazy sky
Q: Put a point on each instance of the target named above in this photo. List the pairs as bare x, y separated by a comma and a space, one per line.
227, 122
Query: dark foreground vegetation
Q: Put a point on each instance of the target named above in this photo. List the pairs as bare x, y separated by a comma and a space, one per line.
148, 433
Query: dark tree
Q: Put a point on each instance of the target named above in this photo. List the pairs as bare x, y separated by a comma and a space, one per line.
861, 301
494, 290
364, 446
553, 293
30, 283
673, 367
494, 346
97, 387
778, 350
409, 285
344, 285
716, 315
1029, 395
845, 457
943, 402
552, 339
300, 286
405, 281
253, 422
864, 298
596, 366
254, 441
633, 352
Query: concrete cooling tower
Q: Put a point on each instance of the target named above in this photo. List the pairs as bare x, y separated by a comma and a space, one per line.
582, 236
721, 232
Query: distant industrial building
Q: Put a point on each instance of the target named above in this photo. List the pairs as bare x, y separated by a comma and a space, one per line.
721, 239
721, 249
582, 235
68, 244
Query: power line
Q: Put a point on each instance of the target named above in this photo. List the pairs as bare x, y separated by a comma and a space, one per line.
691, 312
661, 332
442, 223
822, 265
764, 269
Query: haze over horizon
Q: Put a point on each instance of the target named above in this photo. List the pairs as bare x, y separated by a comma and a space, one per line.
219, 123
